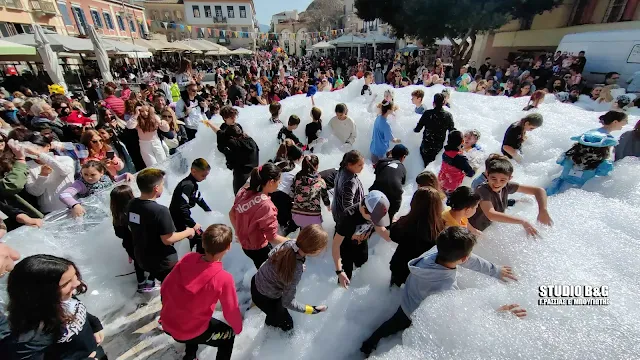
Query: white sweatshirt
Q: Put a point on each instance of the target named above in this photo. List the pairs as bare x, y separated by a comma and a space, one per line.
345, 130
47, 188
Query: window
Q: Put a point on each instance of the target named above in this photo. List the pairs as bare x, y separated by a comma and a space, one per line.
579, 13
120, 22
132, 25
62, 7
178, 15
97, 21
196, 11
230, 13
218, 11
142, 28
615, 11
207, 11
243, 12
107, 20
81, 19
7, 29
526, 22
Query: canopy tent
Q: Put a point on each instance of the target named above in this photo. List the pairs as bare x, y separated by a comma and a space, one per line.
348, 41
56, 41
49, 58
241, 51
118, 46
101, 54
223, 51
323, 45
204, 45
10, 48
408, 49
378, 39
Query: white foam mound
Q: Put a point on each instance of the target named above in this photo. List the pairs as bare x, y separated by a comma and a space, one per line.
594, 242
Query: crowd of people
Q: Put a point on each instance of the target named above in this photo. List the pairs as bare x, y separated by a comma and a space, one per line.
57, 150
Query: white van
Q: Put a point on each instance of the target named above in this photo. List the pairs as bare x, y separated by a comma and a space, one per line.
606, 51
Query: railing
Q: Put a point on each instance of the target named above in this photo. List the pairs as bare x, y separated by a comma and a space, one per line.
46, 7
13, 4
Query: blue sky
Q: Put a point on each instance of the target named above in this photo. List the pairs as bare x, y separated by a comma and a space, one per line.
266, 8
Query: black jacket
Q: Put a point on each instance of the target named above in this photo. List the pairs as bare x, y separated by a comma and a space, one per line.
186, 196
436, 123
243, 154
391, 175
412, 242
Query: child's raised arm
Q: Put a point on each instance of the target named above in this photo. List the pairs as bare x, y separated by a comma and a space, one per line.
541, 198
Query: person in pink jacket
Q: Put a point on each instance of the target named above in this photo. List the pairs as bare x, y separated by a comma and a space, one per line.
255, 217
190, 292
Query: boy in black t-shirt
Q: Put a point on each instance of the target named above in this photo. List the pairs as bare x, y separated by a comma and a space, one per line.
313, 129
186, 196
287, 131
350, 246
152, 227
516, 134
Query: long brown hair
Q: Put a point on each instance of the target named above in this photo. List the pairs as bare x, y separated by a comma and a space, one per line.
86, 139
426, 213
120, 197
312, 239
173, 123
150, 123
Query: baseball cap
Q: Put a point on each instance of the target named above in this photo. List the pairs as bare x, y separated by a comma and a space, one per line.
377, 205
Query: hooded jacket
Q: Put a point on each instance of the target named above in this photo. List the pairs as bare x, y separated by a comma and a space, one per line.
454, 167
428, 277
189, 296
391, 175
243, 154
256, 219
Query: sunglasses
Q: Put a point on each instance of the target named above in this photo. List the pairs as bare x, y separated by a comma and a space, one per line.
166, 116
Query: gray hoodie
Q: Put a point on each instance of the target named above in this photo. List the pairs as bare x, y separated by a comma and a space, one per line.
428, 277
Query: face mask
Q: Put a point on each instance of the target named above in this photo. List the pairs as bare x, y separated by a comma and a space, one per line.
557, 87
573, 98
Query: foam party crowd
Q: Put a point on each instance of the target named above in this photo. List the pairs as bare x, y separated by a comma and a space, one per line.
314, 208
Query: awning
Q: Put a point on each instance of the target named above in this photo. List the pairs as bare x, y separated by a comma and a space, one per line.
323, 45
348, 40
11, 48
119, 46
241, 51
56, 41
378, 39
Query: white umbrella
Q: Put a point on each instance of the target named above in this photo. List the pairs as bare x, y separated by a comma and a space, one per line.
49, 58
241, 51
323, 45
101, 54
56, 41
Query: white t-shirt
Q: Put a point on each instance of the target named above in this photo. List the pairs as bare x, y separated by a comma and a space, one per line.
634, 83
345, 130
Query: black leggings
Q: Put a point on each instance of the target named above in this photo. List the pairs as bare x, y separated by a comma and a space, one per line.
429, 154
239, 179
398, 322
139, 271
259, 256
284, 203
353, 254
218, 335
277, 315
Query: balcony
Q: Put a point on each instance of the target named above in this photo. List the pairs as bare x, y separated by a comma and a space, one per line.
43, 6
13, 4
219, 19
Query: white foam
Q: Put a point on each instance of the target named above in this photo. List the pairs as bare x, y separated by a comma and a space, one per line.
594, 241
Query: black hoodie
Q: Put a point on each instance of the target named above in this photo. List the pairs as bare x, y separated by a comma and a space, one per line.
391, 175
243, 154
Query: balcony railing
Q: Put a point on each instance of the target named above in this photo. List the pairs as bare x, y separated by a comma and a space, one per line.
220, 19
43, 6
13, 4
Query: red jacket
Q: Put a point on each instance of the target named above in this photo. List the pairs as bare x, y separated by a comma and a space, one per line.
454, 167
189, 296
256, 219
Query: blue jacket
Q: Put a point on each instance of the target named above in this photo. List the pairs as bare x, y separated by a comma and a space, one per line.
381, 138
574, 177
428, 277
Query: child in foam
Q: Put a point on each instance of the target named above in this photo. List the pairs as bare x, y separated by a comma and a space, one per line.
586, 159
436, 271
273, 288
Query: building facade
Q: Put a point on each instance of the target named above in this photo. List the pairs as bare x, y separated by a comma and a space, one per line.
17, 16
283, 17
114, 19
167, 18
543, 33
229, 15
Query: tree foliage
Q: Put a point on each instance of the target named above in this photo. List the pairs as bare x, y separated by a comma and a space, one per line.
429, 20
323, 15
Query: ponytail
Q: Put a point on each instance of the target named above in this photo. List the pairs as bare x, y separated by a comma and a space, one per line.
281, 153
350, 158
260, 176
309, 165
311, 239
